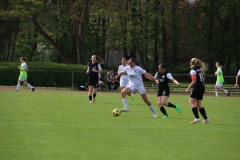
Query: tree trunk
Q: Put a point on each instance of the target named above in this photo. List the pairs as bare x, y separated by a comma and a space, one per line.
50, 40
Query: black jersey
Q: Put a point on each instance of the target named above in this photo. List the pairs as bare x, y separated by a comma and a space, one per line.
199, 76
163, 80
92, 74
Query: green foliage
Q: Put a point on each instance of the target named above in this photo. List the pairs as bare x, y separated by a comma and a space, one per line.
63, 125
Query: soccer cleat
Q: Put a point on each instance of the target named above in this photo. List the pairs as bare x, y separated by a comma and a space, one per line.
33, 89
195, 120
178, 109
17, 90
90, 102
228, 94
124, 110
155, 115
165, 117
132, 96
94, 100
205, 121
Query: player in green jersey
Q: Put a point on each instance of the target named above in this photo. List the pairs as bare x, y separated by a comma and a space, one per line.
23, 74
220, 80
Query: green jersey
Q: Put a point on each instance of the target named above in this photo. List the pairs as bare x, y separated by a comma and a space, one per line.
23, 72
220, 78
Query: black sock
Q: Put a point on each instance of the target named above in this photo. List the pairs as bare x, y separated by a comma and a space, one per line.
94, 95
164, 112
90, 98
171, 105
195, 112
203, 112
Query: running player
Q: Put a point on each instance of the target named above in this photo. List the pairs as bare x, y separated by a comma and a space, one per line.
195, 101
134, 73
23, 74
124, 79
220, 80
94, 68
162, 78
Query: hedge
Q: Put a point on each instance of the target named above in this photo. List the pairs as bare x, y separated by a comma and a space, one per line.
42, 74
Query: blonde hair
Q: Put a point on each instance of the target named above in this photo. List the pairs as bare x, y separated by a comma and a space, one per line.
99, 59
199, 63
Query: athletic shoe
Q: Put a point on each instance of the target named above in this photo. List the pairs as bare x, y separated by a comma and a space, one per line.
17, 90
205, 121
196, 120
33, 89
228, 94
165, 117
132, 96
90, 102
124, 110
155, 115
94, 100
178, 109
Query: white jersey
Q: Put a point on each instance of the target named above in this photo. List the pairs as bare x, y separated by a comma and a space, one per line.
135, 75
124, 77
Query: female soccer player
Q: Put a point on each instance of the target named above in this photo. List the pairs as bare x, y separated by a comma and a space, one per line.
124, 79
162, 77
23, 74
220, 80
134, 73
94, 68
237, 77
195, 101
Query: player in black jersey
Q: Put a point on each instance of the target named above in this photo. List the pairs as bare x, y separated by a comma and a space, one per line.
94, 68
195, 101
162, 78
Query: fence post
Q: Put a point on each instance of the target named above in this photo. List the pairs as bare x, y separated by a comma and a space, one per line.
72, 79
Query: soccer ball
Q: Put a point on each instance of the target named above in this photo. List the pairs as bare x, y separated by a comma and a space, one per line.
116, 112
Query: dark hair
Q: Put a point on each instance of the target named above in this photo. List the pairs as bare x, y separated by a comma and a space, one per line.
23, 58
134, 61
165, 65
124, 58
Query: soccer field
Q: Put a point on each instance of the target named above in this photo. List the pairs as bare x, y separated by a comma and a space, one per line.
56, 124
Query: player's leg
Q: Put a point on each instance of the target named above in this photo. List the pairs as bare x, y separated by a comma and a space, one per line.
193, 105
145, 99
18, 84
90, 93
216, 89
124, 92
202, 111
30, 86
160, 106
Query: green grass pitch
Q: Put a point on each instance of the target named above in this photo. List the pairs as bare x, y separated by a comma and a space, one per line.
62, 125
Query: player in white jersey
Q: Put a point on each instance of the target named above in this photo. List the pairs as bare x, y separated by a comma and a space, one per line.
237, 78
124, 79
134, 73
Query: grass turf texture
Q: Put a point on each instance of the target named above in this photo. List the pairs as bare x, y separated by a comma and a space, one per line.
63, 125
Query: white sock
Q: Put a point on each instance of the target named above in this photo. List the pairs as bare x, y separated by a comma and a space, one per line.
216, 94
18, 86
125, 103
152, 109
29, 86
225, 91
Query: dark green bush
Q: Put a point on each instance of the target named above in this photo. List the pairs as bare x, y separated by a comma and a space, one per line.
42, 74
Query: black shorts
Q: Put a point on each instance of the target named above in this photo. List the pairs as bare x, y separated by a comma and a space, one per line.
93, 82
197, 92
163, 92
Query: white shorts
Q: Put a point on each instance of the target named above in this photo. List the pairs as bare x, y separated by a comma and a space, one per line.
22, 79
124, 83
219, 85
141, 89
